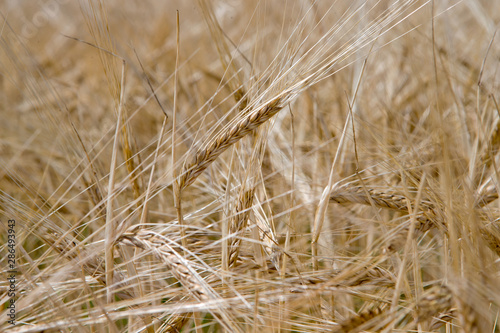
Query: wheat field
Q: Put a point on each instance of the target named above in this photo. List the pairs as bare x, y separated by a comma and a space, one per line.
249, 166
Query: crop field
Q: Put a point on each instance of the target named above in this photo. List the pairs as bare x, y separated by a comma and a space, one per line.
249, 166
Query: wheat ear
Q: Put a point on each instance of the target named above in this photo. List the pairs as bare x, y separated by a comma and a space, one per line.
468, 317
359, 322
491, 235
243, 127
348, 193
381, 199
427, 217
239, 222
437, 303
180, 267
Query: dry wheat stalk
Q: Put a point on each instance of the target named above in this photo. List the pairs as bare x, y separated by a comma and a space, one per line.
234, 82
243, 127
239, 222
486, 194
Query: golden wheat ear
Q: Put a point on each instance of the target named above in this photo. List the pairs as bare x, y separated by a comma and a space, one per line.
238, 224
180, 267
203, 158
